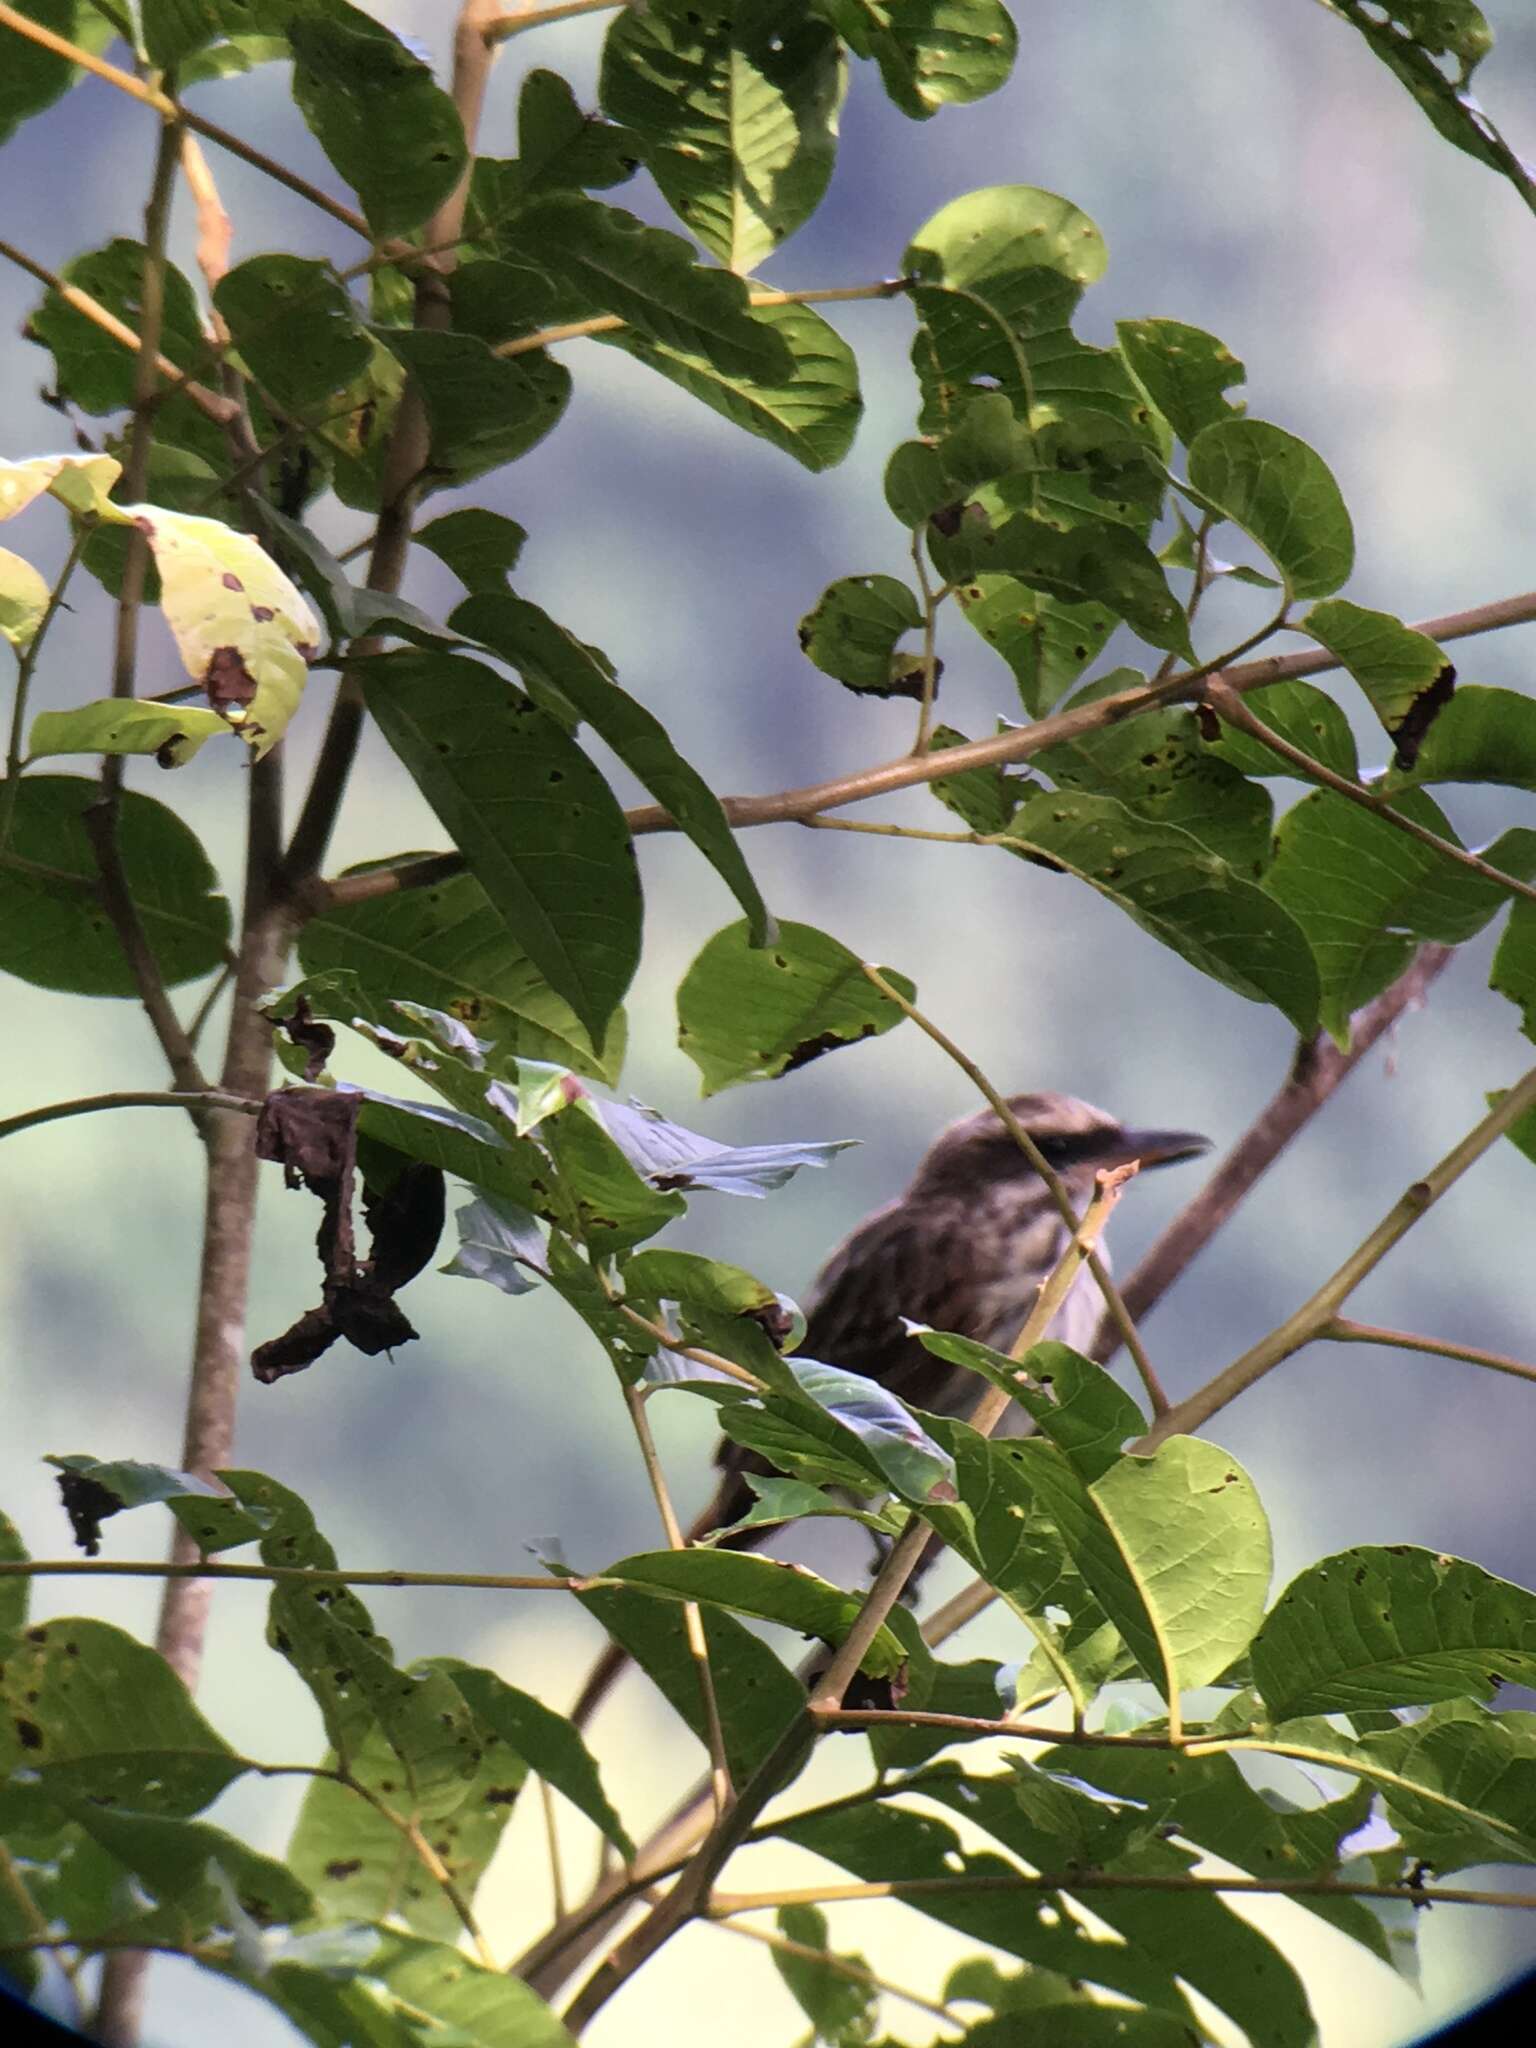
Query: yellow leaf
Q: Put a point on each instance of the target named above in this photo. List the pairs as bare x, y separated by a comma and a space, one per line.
81, 481
242, 629
23, 599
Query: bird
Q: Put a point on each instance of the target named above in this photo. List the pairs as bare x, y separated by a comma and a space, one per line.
964, 1248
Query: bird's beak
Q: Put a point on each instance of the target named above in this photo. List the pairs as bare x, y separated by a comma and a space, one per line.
1156, 1148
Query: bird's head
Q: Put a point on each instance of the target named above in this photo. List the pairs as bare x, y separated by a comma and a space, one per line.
1074, 1137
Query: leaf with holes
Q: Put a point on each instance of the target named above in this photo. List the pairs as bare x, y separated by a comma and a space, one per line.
750, 1013
735, 109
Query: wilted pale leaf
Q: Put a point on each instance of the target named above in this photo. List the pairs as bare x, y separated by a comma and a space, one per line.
81, 481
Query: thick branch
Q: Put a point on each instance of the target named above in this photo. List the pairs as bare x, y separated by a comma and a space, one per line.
1314, 1315
1319, 1068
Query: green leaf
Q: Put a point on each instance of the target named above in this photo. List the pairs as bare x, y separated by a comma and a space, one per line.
540, 828
99, 1716
1282, 494
559, 149
393, 134
53, 931
294, 323
550, 660
1185, 897
1213, 1806
1300, 713
1084, 1412
735, 109
931, 53
852, 630
175, 30
648, 278
480, 547
355, 1859
498, 1242
132, 1484
917, 483
690, 1280
1364, 892
750, 1013
23, 599
1095, 561
762, 1587
609, 1205
1482, 735
445, 947
97, 372
672, 1157
1175, 1548
1411, 42
758, 1696
985, 799
466, 1146
1458, 1783
1160, 768
484, 409
549, 1744
841, 2007
201, 1875
14, 1592
1183, 370
880, 1842
896, 1443
1397, 1627
33, 78
125, 725
1197, 1935
811, 411
1405, 674
1046, 641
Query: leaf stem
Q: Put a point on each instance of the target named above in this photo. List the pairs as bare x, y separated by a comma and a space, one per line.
506, 26
128, 1098
610, 323
291, 1574
163, 105
843, 1966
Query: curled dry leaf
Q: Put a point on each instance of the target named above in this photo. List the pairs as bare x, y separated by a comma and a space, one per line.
312, 1132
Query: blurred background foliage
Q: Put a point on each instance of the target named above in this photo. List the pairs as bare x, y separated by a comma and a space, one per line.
1254, 171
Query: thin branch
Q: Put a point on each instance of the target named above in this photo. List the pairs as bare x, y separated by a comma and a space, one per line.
128, 1098
26, 668
1317, 1071
1342, 1331
901, 1561
215, 230
1234, 712
842, 1966
552, 1846
724, 1904
610, 323
1114, 1306
100, 822
681, 1349
1314, 1315
693, 1620
289, 1574
971, 1724
506, 26
792, 805
218, 409
168, 110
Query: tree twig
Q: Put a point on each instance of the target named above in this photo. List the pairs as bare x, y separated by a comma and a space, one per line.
1343, 1331
1081, 1880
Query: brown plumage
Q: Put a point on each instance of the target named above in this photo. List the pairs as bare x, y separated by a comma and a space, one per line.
965, 1248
